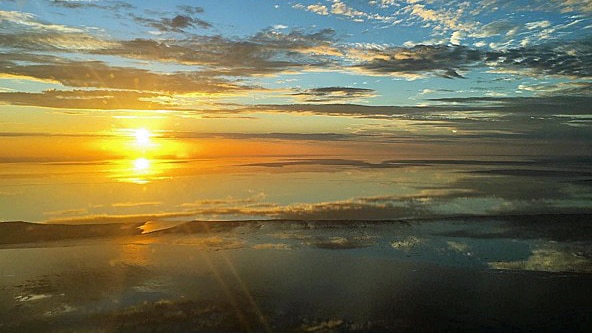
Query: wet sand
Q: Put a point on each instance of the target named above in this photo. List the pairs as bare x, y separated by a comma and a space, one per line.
470, 273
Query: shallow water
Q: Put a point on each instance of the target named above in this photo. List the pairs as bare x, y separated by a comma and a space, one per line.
302, 276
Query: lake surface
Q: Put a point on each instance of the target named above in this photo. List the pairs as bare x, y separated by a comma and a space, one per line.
480, 273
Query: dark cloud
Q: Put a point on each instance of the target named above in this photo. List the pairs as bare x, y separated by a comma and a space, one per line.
192, 10
442, 60
331, 94
567, 58
347, 109
571, 59
525, 105
178, 23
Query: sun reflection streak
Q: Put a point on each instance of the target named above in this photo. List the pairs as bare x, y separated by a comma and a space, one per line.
142, 165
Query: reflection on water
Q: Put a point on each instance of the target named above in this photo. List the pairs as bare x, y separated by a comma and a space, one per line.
141, 165
139, 171
300, 277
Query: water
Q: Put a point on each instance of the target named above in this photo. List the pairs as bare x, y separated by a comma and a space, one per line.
304, 276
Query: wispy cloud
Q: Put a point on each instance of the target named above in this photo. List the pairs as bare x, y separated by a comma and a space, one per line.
334, 94
85, 99
111, 5
132, 204
316, 8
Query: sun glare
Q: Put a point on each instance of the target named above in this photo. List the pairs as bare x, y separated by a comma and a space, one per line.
141, 164
142, 136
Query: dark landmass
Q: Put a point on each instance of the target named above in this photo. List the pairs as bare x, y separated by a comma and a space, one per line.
26, 232
558, 227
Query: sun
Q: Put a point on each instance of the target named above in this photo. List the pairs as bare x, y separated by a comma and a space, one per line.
142, 136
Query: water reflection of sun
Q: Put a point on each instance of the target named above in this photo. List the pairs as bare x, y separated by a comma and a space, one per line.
142, 165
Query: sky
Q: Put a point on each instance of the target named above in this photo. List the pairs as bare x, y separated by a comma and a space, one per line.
150, 110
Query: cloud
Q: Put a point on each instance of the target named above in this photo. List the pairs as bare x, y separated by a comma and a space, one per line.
353, 209
447, 19
570, 88
544, 105
13, 21
551, 259
337, 8
352, 109
317, 9
263, 136
123, 218
568, 6
54, 41
135, 204
67, 212
178, 23
340, 8
499, 27
26, 31
84, 99
333, 94
569, 59
267, 52
457, 37
537, 25
82, 4
440, 60
96, 74
192, 10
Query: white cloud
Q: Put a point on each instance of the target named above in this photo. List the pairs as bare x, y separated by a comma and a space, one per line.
318, 9
340, 8
537, 25
457, 37
29, 21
